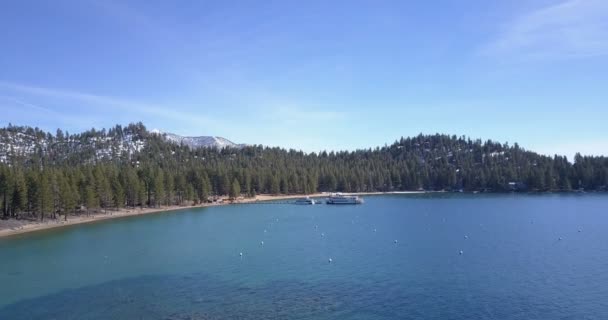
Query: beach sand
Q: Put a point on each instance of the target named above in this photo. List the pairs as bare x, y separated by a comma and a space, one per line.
13, 227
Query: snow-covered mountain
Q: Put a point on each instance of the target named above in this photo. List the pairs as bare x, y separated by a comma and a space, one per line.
23, 142
92, 145
200, 142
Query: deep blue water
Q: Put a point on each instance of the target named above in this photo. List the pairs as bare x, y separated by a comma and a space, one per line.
186, 264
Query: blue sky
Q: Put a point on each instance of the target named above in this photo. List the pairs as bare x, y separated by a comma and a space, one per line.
313, 75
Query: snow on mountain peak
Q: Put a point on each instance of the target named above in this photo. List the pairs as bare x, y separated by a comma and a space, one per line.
202, 141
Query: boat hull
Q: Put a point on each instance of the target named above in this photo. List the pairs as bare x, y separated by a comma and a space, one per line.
307, 202
344, 202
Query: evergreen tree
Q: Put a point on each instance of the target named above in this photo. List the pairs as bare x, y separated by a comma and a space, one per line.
102, 188
235, 190
20, 199
118, 193
275, 187
169, 188
5, 191
45, 196
225, 184
91, 200
159, 188
67, 197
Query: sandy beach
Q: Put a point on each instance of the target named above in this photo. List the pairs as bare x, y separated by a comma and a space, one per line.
13, 227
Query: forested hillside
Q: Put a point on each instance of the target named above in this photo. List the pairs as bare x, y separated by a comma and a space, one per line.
44, 174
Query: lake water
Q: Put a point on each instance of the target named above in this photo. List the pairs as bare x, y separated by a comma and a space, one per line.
186, 264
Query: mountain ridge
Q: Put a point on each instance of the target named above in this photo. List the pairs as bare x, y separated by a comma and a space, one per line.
199, 141
25, 141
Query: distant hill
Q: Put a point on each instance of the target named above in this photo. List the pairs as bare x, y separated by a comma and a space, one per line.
201, 142
22, 142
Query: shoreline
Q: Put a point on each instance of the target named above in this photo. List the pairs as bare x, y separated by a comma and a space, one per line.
13, 227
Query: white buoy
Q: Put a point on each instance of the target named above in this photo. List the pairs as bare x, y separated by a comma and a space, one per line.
395, 241
241, 254
322, 234
262, 243
466, 237
374, 229
330, 260
461, 252
560, 238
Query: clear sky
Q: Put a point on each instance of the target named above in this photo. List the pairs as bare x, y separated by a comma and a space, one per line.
313, 75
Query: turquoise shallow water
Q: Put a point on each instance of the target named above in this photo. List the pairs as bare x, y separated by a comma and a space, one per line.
186, 265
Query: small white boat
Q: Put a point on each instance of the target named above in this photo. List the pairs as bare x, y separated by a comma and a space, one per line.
305, 201
339, 198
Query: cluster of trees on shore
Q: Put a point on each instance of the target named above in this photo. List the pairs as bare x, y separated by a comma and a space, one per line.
94, 170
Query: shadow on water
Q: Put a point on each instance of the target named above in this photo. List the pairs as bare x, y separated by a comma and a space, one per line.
199, 296
196, 297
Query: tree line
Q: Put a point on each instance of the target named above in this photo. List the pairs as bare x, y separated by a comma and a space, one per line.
129, 166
